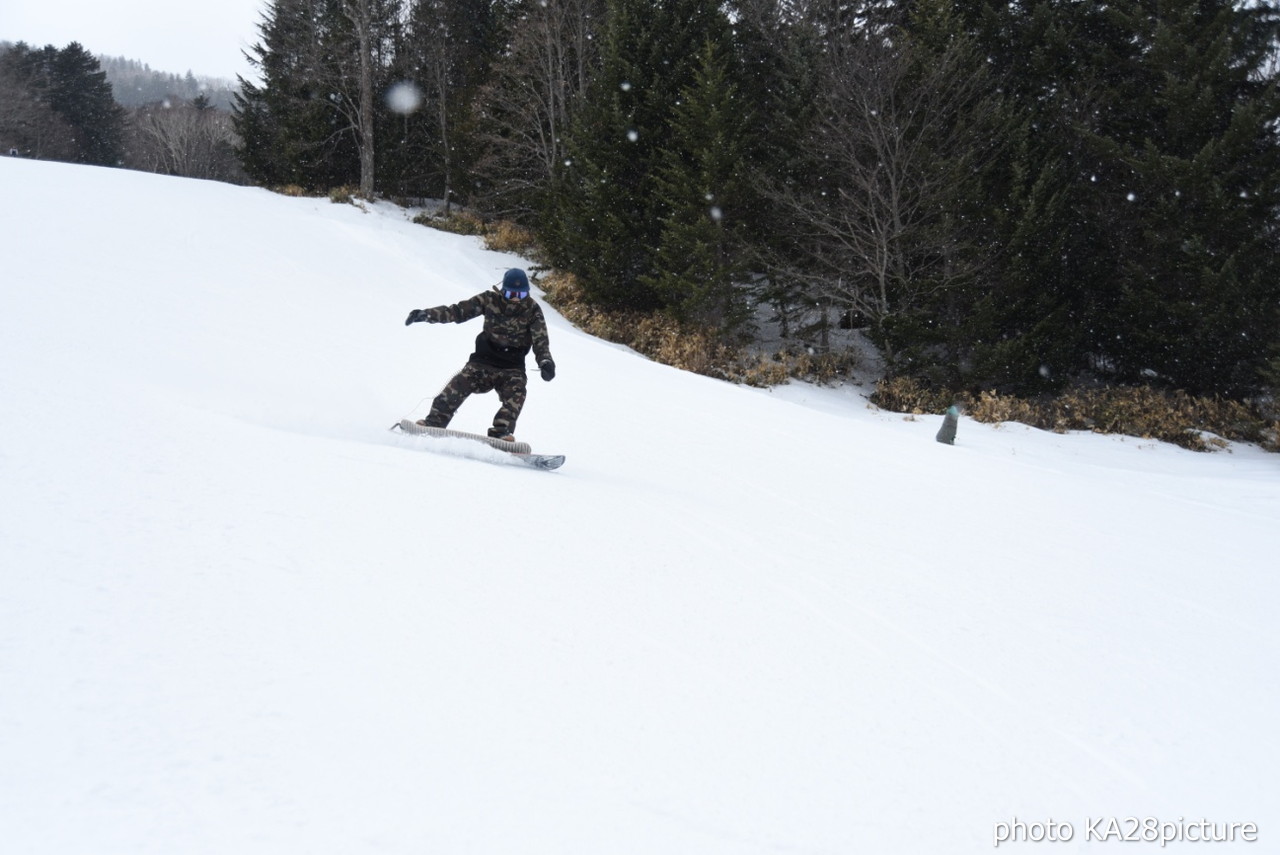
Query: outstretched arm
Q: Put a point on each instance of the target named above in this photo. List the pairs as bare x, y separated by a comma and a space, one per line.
454, 314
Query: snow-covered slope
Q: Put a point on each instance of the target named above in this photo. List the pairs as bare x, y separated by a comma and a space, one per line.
237, 615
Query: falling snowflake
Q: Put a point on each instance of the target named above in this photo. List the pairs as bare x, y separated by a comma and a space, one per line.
404, 98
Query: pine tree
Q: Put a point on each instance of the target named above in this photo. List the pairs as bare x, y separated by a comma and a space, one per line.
83, 97
310, 122
702, 192
604, 220
778, 48
1028, 326
1139, 222
28, 125
74, 87
1201, 282
290, 132
445, 55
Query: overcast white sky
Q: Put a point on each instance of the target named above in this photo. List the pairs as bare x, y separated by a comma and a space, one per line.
206, 37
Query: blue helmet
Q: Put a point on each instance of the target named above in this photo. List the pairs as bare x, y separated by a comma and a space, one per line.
515, 282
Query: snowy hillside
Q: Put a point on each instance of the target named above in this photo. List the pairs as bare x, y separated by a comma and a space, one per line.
240, 617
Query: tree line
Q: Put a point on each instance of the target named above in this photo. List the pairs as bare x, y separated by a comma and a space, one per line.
1015, 197
62, 104
1007, 196
135, 84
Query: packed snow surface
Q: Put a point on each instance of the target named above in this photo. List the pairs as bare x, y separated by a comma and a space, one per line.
238, 616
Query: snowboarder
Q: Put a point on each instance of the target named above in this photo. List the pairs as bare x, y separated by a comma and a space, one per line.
513, 324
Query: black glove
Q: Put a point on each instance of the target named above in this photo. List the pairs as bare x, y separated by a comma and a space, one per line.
418, 316
548, 370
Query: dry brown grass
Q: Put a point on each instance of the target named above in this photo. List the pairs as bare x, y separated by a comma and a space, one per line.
344, 195
904, 395
1201, 424
499, 236
506, 236
777, 368
655, 335
765, 371
689, 347
458, 223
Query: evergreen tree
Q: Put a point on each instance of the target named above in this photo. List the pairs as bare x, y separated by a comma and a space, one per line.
27, 123
778, 48
1200, 276
133, 84
82, 96
1029, 325
445, 56
702, 192
604, 222
965, 153
319, 61
408, 163
73, 86
287, 127
1140, 222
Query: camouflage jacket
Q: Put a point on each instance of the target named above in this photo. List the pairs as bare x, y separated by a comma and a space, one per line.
511, 328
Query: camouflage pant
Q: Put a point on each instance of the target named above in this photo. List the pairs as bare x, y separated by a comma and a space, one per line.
511, 385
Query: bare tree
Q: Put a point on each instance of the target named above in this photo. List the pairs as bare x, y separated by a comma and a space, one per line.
359, 109
192, 140
448, 54
431, 38
345, 63
526, 109
897, 139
